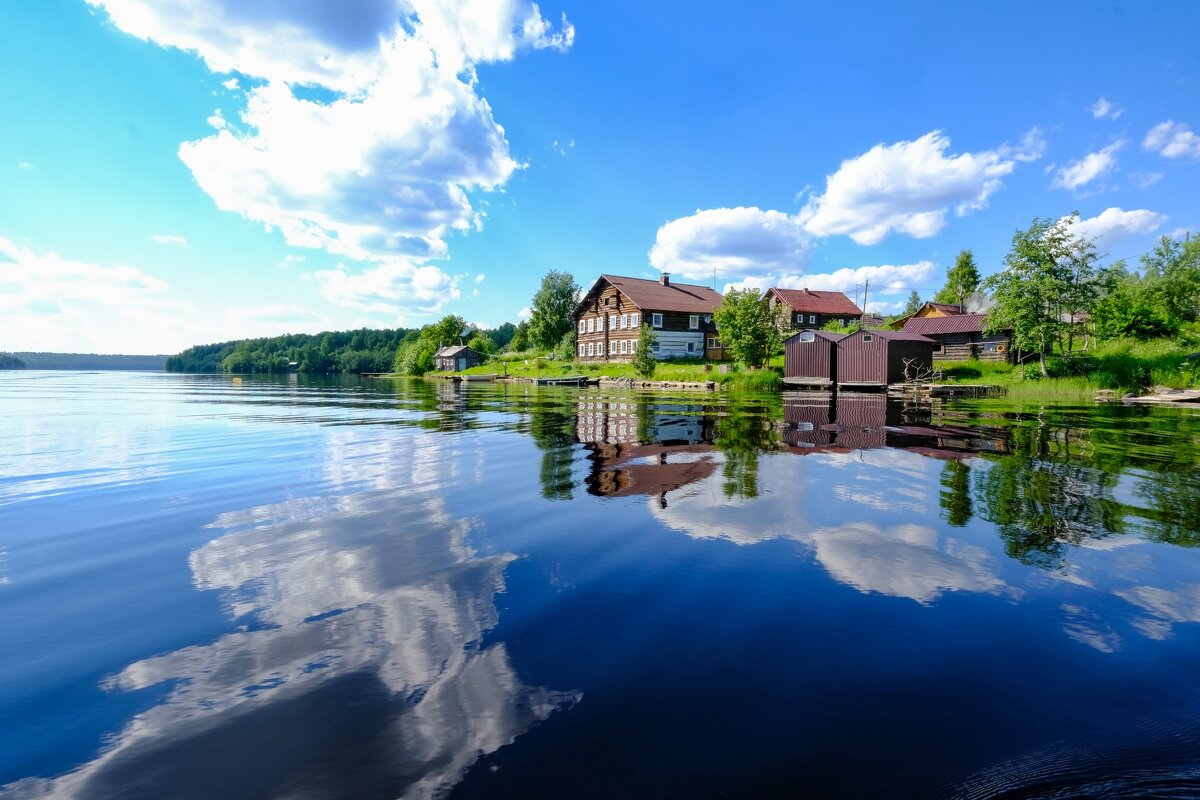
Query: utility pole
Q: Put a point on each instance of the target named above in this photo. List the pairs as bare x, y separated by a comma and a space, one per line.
864, 305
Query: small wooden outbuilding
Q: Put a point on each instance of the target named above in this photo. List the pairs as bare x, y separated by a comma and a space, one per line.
960, 337
456, 359
879, 358
810, 358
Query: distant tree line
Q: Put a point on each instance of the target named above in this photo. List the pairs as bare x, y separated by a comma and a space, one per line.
80, 361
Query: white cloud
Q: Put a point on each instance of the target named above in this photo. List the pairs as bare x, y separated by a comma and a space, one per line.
910, 186
379, 169
480, 278
1179, 233
217, 120
1113, 225
24, 165
1144, 180
525, 313
1087, 169
170, 239
231, 84
737, 242
1172, 139
391, 287
1105, 109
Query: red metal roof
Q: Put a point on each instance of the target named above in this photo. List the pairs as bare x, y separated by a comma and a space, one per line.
812, 302
957, 323
651, 295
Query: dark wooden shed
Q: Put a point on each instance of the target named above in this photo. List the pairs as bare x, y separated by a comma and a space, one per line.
810, 358
878, 358
961, 337
456, 359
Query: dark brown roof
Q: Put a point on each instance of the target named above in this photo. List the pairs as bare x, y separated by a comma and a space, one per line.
812, 302
956, 323
651, 295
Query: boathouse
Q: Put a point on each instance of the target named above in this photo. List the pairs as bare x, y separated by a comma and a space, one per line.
960, 337
456, 359
609, 319
878, 358
810, 358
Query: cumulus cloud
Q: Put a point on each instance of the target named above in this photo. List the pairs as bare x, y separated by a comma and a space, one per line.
395, 286
909, 187
1105, 109
480, 278
1172, 139
364, 132
1087, 169
525, 313
738, 243
1114, 225
170, 239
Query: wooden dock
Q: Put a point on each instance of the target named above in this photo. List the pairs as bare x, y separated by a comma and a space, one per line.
569, 380
945, 390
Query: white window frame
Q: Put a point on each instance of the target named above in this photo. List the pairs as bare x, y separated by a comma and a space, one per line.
582, 325
693, 322
591, 350
624, 347
612, 322
624, 321
600, 322
582, 349
656, 319
713, 343
812, 319
633, 320
691, 348
591, 325
633, 345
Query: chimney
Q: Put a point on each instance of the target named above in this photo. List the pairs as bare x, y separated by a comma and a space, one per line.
665, 279
805, 290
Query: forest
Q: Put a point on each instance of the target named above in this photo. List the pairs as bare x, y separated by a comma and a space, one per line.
80, 361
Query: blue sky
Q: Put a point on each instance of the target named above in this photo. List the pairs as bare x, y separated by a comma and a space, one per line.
183, 171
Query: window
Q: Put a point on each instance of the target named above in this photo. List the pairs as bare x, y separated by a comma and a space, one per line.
799, 319
808, 336
590, 350
812, 319
624, 321
582, 350
868, 337
633, 345
612, 322
633, 320
599, 323
691, 347
842, 321
693, 322
591, 324
655, 346
713, 343
582, 326
656, 319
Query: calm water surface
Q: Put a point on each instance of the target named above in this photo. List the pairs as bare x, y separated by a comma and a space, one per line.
298, 589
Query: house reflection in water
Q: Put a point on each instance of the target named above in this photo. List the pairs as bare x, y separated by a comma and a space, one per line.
843, 422
642, 448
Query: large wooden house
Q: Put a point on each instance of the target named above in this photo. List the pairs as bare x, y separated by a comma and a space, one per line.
807, 308
929, 310
959, 337
609, 318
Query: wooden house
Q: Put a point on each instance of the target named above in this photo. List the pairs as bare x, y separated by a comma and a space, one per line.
609, 318
929, 310
812, 309
456, 359
960, 337
879, 358
810, 358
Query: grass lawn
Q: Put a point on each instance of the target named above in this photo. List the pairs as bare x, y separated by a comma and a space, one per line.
683, 370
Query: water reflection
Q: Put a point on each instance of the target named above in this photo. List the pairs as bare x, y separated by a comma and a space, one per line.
359, 668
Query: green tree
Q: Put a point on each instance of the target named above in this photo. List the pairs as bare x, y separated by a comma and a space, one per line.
747, 327
1172, 276
520, 338
1048, 272
553, 306
480, 342
643, 359
962, 280
913, 305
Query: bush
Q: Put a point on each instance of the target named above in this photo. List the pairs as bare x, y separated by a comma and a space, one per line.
1031, 372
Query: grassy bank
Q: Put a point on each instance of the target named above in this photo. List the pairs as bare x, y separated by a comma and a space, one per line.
1124, 365
684, 370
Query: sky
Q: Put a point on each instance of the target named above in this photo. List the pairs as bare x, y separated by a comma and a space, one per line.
178, 172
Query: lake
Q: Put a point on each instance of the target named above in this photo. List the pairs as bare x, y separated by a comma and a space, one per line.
379, 589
